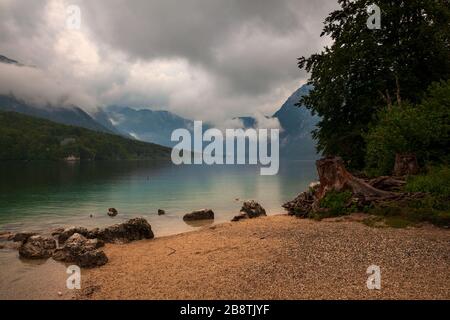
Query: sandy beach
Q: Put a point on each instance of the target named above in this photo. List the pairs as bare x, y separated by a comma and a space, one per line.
277, 257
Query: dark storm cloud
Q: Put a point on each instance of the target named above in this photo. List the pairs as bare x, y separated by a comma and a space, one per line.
203, 59
238, 40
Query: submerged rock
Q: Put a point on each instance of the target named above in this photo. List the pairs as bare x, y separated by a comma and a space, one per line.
132, 230
204, 214
112, 212
37, 247
6, 236
250, 209
82, 251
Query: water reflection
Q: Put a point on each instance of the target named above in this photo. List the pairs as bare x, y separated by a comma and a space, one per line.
39, 196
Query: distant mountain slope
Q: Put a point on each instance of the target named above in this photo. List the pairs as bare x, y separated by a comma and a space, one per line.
65, 115
103, 118
296, 124
27, 138
145, 125
7, 60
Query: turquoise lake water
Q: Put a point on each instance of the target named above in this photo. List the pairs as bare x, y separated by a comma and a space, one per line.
43, 196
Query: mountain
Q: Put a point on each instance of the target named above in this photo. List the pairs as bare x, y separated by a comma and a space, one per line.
157, 126
73, 115
69, 115
103, 118
296, 124
24, 137
7, 60
144, 125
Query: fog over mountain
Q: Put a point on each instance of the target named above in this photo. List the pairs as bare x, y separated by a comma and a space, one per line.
223, 62
213, 60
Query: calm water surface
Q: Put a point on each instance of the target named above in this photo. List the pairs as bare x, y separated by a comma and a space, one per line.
43, 196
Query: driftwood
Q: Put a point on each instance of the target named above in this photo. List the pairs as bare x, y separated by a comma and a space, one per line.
387, 183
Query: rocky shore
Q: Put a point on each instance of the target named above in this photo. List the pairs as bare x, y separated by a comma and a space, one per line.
77, 245
84, 247
277, 257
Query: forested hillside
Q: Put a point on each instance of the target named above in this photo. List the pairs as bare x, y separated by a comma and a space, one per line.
26, 138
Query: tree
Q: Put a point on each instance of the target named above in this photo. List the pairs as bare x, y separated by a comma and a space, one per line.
422, 129
364, 70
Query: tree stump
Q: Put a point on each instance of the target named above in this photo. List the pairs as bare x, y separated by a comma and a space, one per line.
406, 164
334, 176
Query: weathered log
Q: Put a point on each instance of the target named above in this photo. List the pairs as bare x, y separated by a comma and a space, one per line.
387, 183
406, 164
334, 176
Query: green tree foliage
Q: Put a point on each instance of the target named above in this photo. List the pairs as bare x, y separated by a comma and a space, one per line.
423, 129
28, 138
354, 77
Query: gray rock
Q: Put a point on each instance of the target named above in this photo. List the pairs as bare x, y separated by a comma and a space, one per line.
240, 216
112, 212
67, 233
81, 251
6, 236
92, 259
132, 230
56, 232
37, 247
250, 209
204, 214
23, 236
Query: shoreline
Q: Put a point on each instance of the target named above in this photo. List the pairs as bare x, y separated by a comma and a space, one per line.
277, 257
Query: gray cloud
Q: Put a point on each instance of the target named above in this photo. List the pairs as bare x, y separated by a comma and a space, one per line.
210, 59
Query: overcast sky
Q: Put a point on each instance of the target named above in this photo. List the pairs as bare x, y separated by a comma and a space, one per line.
201, 59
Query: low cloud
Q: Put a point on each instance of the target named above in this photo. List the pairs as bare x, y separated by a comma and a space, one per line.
202, 59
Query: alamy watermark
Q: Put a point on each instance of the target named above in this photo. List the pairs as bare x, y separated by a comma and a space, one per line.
74, 280
374, 20
374, 279
73, 17
229, 150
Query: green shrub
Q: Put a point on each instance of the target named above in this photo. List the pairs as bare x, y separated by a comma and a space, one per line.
435, 182
336, 203
423, 129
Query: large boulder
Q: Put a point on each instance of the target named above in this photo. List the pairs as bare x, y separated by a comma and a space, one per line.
204, 214
68, 232
82, 251
250, 209
23, 236
92, 259
132, 230
37, 247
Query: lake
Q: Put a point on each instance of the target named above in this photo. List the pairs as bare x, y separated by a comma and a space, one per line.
41, 196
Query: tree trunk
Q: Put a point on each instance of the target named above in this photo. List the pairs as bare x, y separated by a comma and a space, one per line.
334, 176
405, 164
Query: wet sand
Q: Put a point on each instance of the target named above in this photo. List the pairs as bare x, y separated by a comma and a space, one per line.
277, 257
